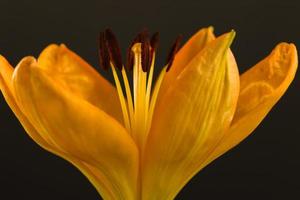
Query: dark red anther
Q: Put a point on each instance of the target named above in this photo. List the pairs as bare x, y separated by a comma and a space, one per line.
129, 59
174, 49
113, 49
154, 44
146, 55
154, 41
103, 52
140, 37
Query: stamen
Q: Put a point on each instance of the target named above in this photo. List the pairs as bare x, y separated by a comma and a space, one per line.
130, 59
129, 96
146, 55
154, 44
154, 41
139, 38
137, 107
149, 85
154, 97
103, 52
173, 51
121, 98
110, 55
113, 49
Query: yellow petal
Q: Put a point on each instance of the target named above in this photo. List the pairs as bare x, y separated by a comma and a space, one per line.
261, 87
6, 71
190, 120
190, 49
75, 75
78, 128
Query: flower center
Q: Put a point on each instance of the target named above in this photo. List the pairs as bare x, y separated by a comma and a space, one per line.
137, 104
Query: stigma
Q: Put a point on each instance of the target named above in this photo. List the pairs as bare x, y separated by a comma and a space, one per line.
137, 101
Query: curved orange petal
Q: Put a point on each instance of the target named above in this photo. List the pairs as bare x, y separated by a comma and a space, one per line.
77, 128
190, 120
78, 77
261, 87
190, 49
6, 71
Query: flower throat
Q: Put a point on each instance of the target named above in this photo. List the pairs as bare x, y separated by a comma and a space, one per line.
138, 104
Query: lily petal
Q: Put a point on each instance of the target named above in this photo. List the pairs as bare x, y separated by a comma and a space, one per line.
6, 72
261, 87
77, 128
190, 120
74, 74
190, 49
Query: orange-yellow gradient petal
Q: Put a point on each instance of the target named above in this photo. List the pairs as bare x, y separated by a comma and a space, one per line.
6, 71
190, 119
74, 74
190, 49
77, 127
261, 87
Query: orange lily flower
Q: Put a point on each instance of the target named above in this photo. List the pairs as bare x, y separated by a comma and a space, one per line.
145, 143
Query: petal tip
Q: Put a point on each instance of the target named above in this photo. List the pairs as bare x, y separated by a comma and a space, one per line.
3, 60
286, 55
231, 36
50, 47
211, 28
63, 46
27, 61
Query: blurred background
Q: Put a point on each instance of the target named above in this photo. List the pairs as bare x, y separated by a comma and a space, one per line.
265, 166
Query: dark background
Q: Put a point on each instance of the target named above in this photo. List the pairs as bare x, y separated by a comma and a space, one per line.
265, 166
